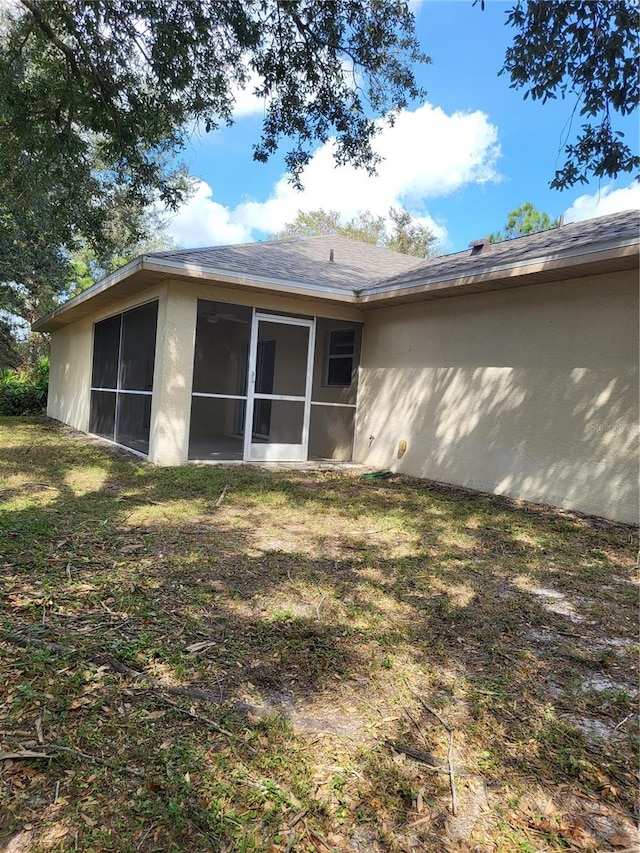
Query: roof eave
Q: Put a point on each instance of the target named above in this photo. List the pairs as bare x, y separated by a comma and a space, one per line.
101, 286
250, 282
503, 275
161, 268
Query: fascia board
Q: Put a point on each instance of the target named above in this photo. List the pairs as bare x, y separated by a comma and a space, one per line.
256, 282
145, 263
361, 296
522, 267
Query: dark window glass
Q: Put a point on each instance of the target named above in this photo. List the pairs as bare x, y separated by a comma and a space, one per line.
102, 418
340, 356
106, 344
138, 347
339, 372
134, 420
342, 341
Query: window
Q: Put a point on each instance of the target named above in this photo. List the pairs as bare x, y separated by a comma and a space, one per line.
340, 357
124, 349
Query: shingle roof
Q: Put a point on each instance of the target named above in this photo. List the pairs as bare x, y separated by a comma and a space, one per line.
361, 273
306, 261
363, 268
561, 242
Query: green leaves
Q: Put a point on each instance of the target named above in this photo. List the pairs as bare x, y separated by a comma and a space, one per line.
116, 70
525, 219
24, 392
586, 52
99, 97
410, 237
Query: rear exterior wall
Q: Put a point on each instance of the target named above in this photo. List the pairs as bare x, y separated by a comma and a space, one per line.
529, 392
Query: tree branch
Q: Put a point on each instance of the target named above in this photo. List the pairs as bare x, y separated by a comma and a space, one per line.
47, 29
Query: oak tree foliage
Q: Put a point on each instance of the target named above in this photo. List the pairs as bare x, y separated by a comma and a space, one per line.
10, 356
586, 53
133, 76
365, 226
408, 236
98, 98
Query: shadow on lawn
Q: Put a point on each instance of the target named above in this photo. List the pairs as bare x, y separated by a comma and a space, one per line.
302, 624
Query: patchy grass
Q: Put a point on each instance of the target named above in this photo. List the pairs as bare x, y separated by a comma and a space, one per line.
314, 621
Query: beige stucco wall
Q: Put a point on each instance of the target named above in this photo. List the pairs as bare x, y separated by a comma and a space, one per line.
172, 378
70, 374
269, 301
530, 392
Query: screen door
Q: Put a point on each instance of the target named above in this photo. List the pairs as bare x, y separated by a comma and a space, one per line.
280, 372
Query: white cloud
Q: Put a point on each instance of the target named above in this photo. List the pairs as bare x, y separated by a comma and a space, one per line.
607, 200
247, 103
414, 7
427, 154
201, 221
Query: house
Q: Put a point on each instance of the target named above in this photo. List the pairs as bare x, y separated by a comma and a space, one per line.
510, 368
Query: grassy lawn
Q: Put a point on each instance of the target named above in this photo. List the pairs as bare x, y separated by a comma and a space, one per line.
235, 659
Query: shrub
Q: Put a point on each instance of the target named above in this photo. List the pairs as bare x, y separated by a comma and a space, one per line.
24, 392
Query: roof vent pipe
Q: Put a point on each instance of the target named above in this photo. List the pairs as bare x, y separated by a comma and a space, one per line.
331, 256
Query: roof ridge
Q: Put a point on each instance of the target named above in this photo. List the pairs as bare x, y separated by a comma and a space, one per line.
564, 225
285, 240
587, 232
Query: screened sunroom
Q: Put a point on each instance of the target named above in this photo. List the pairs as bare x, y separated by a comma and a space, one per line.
272, 387
241, 353
265, 386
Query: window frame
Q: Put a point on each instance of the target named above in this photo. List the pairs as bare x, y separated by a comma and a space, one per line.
334, 356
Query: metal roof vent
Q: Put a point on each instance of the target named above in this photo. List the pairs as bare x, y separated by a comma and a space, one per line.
478, 246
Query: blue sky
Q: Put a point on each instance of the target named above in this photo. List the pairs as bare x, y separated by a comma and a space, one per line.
458, 162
